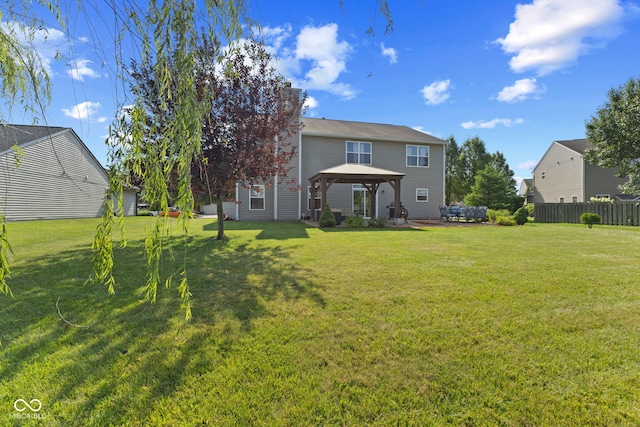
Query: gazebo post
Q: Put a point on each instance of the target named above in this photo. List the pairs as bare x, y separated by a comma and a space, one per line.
323, 194
398, 203
312, 202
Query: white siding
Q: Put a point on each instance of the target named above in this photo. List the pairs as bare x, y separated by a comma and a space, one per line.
58, 178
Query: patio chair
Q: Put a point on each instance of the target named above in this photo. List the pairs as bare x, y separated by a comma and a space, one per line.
444, 213
470, 213
481, 213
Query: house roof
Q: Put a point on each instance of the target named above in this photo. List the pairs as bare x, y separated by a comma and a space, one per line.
577, 145
11, 135
367, 131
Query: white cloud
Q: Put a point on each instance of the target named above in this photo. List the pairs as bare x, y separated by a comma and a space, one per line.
548, 35
528, 165
491, 123
84, 110
328, 58
520, 90
44, 42
314, 59
390, 53
80, 69
275, 36
310, 102
436, 92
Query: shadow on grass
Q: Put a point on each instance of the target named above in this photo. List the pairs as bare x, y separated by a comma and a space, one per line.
269, 230
370, 229
105, 359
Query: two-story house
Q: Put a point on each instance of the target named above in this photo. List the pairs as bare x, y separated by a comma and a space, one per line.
564, 176
359, 168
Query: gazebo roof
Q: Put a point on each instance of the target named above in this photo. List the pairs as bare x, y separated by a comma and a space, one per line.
350, 172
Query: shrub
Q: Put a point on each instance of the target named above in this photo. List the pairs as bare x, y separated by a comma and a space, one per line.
327, 219
530, 209
377, 222
505, 220
355, 222
590, 219
493, 214
521, 217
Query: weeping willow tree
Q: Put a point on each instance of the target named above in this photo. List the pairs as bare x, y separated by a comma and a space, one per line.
162, 151
23, 82
163, 33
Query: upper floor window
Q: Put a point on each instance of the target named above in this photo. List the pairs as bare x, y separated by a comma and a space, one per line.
418, 155
359, 152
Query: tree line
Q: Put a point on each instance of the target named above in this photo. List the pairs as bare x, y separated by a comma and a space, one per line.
475, 177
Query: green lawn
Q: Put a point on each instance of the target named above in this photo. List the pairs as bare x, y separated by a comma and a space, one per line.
537, 325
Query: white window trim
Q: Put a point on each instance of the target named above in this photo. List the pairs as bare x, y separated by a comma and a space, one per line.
417, 165
359, 153
422, 189
251, 197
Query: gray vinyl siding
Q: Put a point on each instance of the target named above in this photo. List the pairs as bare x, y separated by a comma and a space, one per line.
601, 181
247, 214
563, 176
58, 178
321, 153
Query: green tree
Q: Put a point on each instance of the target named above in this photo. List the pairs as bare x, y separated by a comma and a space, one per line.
500, 162
491, 188
474, 158
454, 172
614, 132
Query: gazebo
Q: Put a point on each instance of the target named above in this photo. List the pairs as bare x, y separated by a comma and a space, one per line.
369, 177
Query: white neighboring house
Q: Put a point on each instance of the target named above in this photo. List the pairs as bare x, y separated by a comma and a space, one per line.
51, 175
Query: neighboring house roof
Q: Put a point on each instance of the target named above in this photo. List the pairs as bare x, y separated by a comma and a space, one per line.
577, 145
367, 131
11, 135
526, 186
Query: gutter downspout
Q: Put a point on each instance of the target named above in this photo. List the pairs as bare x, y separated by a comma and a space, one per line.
237, 201
299, 170
275, 188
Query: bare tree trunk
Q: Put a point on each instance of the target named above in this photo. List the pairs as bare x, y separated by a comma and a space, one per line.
221, 235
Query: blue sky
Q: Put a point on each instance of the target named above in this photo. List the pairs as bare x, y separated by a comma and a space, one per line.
519, 75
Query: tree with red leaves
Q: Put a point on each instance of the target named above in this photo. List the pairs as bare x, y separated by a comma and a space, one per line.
246, 133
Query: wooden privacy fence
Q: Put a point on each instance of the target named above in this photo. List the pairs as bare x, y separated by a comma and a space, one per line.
612, 213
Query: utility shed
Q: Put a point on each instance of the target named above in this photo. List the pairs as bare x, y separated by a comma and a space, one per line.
47, 172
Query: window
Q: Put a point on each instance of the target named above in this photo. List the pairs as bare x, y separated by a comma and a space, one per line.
359, 152
318, 198
603, 196
561, 199
256, 197
574, 199
418, 156
422, 195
